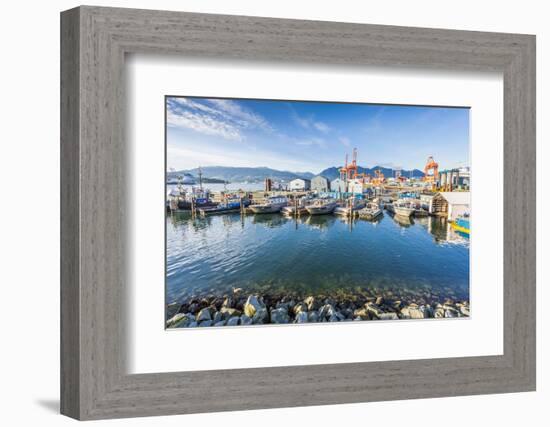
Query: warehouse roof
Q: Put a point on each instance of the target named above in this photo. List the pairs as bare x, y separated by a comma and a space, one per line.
456, 197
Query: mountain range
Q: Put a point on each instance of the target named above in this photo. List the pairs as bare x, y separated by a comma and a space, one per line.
334, 172
250, 174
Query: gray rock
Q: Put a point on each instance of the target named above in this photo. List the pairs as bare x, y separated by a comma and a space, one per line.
439, 313
339, 315
388, 316
180, 320
260, 316
312, 317
362, 313
301, 317
204, 314
427, 310
326, 312
174, 320
217, 317
220, 323
451, 312
172, 309
193, 325
412, 312
206, 323
373, 309
333, 318
228, 302
279, 315
300, 307
233, 321
310, 303
228, 312
252, 305
358, 318
464, 309
379, 301
245, 320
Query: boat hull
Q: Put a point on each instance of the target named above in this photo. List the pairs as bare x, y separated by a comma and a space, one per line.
370, 215
217, 211
401, 211
184, 205
421, 213
461, 225
265, 209
321, 210
291, 210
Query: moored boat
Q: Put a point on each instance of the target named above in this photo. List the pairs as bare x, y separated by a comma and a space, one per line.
403, 208
322, 207
350, 208
273, 204
462, 224
181, 199
294, 210
230, 204
370, 212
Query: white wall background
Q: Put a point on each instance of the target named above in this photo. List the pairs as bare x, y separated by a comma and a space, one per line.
29, 210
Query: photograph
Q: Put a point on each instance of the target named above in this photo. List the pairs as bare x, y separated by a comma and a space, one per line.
297, 211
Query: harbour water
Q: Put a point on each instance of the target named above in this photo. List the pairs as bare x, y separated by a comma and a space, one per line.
313, 255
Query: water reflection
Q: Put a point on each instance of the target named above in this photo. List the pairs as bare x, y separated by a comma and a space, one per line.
438, 227
247, 250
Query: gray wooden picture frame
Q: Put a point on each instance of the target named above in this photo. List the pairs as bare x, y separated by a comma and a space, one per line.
94, 42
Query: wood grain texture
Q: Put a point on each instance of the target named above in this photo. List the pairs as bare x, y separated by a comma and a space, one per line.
95, 239
70, 297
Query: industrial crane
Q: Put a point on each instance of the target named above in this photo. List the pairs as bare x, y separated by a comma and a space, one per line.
431, 171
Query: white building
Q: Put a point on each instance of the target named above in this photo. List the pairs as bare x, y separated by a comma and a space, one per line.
355, 186
338, 185
320, 184
299, 184
450, 204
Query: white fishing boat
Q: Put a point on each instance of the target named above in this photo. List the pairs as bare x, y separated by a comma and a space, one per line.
403, 208
322, 207
272, 204
370, 212
297, 207
350, 208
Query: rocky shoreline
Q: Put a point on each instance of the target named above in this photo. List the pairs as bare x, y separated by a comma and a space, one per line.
239, 308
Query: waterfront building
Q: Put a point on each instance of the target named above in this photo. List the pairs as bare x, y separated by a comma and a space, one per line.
455, 179
300, 184
320, 184
450, 204
356, 186
338, 185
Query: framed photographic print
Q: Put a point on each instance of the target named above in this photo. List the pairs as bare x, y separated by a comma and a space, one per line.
282, 213
333, 254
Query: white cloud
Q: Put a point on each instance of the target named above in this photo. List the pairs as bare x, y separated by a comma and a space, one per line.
310, 141
322, 127
216, 117
344, 141
203, 123
237, 113
310, 123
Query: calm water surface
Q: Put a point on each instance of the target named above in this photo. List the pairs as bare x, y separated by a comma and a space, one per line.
207, 254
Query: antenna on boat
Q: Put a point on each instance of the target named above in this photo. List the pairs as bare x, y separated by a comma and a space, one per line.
200, 178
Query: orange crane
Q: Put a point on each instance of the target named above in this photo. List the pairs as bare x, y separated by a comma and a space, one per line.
431, 171
344, 170
379, 177
349, 171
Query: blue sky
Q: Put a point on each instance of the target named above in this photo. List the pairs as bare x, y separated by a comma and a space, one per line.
311, 136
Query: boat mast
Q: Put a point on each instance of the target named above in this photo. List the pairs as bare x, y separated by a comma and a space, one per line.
200, 178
